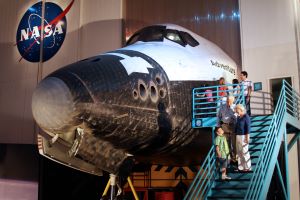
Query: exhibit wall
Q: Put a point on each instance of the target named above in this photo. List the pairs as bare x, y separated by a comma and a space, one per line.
269, 50
92, 27
268, 40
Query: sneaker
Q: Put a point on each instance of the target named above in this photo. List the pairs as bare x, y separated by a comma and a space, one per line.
245, 171
226, 177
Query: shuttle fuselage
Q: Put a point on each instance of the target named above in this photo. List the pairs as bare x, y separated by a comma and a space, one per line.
131, 103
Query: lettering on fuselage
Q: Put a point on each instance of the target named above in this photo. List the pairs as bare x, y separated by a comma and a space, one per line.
222, 66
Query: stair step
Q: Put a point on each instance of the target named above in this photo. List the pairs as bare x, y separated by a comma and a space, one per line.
258, 134
261, 117
230, 188
255, 153
237, 176
228, 192
260, 139
261, 123
259, 128
253, 148
233, 180
256, 145
254, 158
223, 198
256, 127
232, 184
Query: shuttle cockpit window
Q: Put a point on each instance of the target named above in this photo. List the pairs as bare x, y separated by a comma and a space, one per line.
174, 36
189, 39
148, 34
158, 33
133, 39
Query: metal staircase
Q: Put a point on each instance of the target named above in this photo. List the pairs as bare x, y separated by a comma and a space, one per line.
268, 134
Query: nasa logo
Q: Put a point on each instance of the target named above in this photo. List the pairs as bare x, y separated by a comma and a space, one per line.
29, 31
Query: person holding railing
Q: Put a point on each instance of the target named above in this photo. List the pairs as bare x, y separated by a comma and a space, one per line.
226, 119
242, 131
222, 151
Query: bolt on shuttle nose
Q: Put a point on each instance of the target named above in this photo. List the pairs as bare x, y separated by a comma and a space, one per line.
52, 105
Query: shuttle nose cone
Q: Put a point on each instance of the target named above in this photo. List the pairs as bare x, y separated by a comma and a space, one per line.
52, 105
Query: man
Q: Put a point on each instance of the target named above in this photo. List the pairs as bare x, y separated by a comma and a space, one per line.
226, 120
247, 85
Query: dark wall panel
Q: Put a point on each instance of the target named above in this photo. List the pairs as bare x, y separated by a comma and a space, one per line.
215, 20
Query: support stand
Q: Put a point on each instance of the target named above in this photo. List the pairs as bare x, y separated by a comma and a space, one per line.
112, 182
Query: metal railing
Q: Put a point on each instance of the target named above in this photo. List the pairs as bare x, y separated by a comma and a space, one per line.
204, 178
206, 101
288, 103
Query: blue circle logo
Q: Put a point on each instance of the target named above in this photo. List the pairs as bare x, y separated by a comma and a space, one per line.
29, 32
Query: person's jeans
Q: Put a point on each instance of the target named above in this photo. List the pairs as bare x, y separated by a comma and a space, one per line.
248, 105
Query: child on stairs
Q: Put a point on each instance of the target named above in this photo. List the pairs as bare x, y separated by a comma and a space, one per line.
222, 151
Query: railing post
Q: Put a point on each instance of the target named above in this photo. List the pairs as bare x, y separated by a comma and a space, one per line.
217, 100
286, 165
193, 103
284, 93
213, 135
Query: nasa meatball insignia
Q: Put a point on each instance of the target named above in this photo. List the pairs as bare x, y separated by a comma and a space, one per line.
29, 33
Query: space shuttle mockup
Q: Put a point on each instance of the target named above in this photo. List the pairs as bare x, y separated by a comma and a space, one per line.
133, 103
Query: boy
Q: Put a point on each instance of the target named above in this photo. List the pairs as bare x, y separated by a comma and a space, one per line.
222, 151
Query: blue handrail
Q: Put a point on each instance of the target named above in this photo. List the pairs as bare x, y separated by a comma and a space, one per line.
204, 178
206, 102
206, 106
287, 108
287, 104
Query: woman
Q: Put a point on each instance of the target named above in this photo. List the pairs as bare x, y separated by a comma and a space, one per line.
242, 131
223, 90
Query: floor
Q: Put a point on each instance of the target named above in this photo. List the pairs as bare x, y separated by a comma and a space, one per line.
18, 190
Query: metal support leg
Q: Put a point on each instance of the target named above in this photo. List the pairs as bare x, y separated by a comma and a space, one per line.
281, 180
106, 188
112, 186
132, 188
